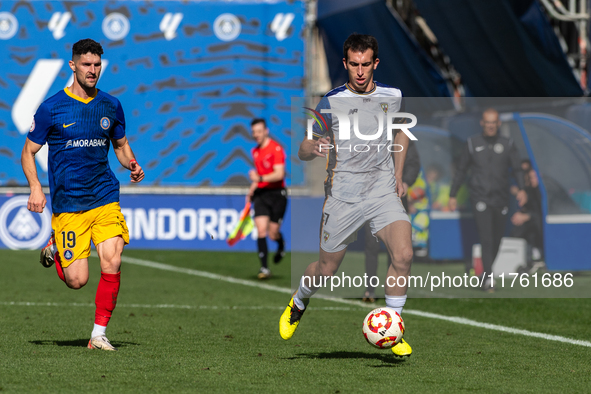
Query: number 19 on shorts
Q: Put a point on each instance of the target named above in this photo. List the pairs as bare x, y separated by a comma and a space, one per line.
68, 239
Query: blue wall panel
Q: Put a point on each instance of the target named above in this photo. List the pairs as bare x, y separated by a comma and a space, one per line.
190, 77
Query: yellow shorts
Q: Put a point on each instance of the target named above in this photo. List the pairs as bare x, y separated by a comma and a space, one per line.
74, 230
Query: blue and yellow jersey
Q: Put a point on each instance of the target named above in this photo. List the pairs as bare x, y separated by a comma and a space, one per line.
78, 134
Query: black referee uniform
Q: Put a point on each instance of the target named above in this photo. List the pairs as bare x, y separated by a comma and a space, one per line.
489, 159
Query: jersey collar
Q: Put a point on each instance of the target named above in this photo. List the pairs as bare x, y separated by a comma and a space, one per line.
362, 94
85, 101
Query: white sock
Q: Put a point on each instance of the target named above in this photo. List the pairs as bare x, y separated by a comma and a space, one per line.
98, 331
304, 292
396, 302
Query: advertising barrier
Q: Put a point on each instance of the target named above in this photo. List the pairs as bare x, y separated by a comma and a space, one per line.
182, 222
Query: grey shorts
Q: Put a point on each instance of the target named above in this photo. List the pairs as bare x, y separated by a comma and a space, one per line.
341, 220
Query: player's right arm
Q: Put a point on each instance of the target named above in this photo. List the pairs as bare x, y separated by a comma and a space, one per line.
37, 198
318, 143
253, 187
311, 149
37, 137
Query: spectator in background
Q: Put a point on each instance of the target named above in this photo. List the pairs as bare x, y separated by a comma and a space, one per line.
527, 221
267, 193
412, 167
489, 156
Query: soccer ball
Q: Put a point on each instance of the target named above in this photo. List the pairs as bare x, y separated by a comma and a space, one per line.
383, 328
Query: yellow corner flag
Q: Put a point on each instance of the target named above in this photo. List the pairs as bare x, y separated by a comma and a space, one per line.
243, 227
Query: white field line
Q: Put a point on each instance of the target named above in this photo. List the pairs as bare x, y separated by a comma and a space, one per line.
172, 306
453, 319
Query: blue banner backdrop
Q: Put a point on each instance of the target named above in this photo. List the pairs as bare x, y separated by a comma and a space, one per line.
182, 222
190, 77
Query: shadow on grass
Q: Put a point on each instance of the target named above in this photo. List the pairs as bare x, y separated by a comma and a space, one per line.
79, 343
389, 358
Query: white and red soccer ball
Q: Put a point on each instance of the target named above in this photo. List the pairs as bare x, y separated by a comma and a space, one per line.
383, 328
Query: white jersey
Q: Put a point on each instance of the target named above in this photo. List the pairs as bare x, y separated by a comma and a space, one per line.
359, 164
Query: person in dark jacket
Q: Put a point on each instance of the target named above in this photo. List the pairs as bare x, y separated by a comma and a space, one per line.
489, 157
412, 167
528, 221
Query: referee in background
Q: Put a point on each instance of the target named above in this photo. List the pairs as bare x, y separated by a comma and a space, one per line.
267, 193
489, 157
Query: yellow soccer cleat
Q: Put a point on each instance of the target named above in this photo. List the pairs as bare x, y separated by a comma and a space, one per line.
290, 319
402, 349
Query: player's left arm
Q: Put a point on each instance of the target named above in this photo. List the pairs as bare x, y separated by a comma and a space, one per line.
412, 164
401, 142
275, 176
127, 159
278, 173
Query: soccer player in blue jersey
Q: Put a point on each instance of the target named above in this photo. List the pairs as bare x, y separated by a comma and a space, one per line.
79, 123
361, 186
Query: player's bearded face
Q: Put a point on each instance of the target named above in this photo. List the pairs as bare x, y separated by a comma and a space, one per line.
360, 66
88, 70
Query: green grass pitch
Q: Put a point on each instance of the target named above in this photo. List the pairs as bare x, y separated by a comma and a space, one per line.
182, 333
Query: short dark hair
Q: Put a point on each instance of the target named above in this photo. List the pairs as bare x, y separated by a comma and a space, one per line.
360, 43
85, 46
258, 120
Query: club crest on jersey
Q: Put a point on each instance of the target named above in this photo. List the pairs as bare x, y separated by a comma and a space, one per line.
105, 123
499, 148
384, 107
68, 254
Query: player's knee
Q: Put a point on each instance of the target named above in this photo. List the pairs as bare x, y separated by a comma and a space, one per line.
76, 283
111, 265
403, 256
274, 235
327, 270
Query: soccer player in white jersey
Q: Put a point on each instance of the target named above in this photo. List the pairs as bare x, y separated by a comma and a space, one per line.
363, 185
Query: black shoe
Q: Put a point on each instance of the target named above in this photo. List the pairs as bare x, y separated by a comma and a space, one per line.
280, 251
278, 256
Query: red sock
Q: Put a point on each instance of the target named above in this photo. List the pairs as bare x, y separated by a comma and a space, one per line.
58, 266
106, 297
